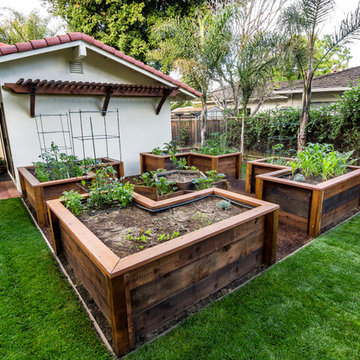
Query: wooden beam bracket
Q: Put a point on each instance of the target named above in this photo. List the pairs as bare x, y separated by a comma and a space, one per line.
109, 92
32, 99
162, 101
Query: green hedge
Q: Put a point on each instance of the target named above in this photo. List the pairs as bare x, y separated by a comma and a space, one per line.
337, 124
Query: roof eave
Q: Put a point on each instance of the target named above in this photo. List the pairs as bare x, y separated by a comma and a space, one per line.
73, 44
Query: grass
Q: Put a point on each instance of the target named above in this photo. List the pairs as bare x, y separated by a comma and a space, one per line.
40, 315
243, 170
306, 307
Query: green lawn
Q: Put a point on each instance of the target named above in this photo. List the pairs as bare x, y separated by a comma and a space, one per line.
306, 307
40, 315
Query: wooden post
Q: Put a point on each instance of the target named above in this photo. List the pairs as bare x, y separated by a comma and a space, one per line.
121, 169
119, 314
271, 230
55, 232
215, 163
40, 206
238, 166
315, 213
23, 185
259, 188
141, 164
249, 169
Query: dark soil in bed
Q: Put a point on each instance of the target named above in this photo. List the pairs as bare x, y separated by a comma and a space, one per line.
132, 229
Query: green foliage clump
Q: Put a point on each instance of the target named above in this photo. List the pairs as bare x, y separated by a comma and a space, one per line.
321, 160
165, 187
223, 205
56, 165
207, 182
217, 145
104, 190
73, 201
170, 148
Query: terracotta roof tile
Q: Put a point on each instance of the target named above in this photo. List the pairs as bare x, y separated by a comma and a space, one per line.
75, 36
24, 46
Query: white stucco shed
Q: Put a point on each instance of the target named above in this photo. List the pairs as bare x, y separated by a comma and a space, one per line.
76, 57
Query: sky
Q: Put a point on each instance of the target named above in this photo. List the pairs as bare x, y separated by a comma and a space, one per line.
342, 7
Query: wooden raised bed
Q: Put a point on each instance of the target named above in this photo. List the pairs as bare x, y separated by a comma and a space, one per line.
37, 193
259, 167
181, 185
144, 290
228, 164
307, 207
150, 162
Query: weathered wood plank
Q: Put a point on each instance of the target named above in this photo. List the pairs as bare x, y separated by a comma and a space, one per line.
162, 312
159, 289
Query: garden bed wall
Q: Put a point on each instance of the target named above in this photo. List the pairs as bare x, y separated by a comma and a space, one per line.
150, 162
259, 167
311, 208
228, 164
37, 193
143, 291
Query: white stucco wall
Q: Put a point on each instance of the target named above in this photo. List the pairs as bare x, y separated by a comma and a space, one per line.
141, 129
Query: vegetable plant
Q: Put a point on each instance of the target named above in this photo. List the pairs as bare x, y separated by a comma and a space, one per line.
73, 201
216, 145
321, 160
56, 165
207, 182
165, 187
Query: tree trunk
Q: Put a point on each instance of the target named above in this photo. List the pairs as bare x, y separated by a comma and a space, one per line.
304, 116
203, 121
242, 129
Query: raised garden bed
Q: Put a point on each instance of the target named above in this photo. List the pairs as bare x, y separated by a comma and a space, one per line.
182, 178
142, 291
37, 193
228, 164
259, 167
308, 207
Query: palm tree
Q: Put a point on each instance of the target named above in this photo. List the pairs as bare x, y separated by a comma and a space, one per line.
305, 18
194, 46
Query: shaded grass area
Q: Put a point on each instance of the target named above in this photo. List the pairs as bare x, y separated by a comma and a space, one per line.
40, 315
243, 170
306, 307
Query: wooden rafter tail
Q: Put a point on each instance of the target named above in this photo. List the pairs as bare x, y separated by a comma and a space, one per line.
167, 93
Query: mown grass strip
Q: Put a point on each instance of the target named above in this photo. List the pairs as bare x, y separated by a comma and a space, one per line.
306, 307
40, 315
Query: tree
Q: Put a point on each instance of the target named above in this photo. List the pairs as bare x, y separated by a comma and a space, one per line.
124, 24
16, 27
336, 60
253, 52
194, 46
305, 19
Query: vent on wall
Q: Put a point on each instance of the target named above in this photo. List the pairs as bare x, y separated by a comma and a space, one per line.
76, 67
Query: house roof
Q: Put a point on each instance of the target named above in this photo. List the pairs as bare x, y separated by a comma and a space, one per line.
78, 36
337, 80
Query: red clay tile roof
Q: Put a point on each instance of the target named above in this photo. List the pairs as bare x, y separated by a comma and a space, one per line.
75, 36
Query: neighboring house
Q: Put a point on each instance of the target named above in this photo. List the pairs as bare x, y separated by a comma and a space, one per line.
44, 84
195, 112
325, 90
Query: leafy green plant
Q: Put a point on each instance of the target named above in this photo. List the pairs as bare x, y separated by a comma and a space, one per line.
223, 205
56, 165
216, 145
106, 190
171, 147
321, 160
212, 177
73, 201
157, 151
165, 187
